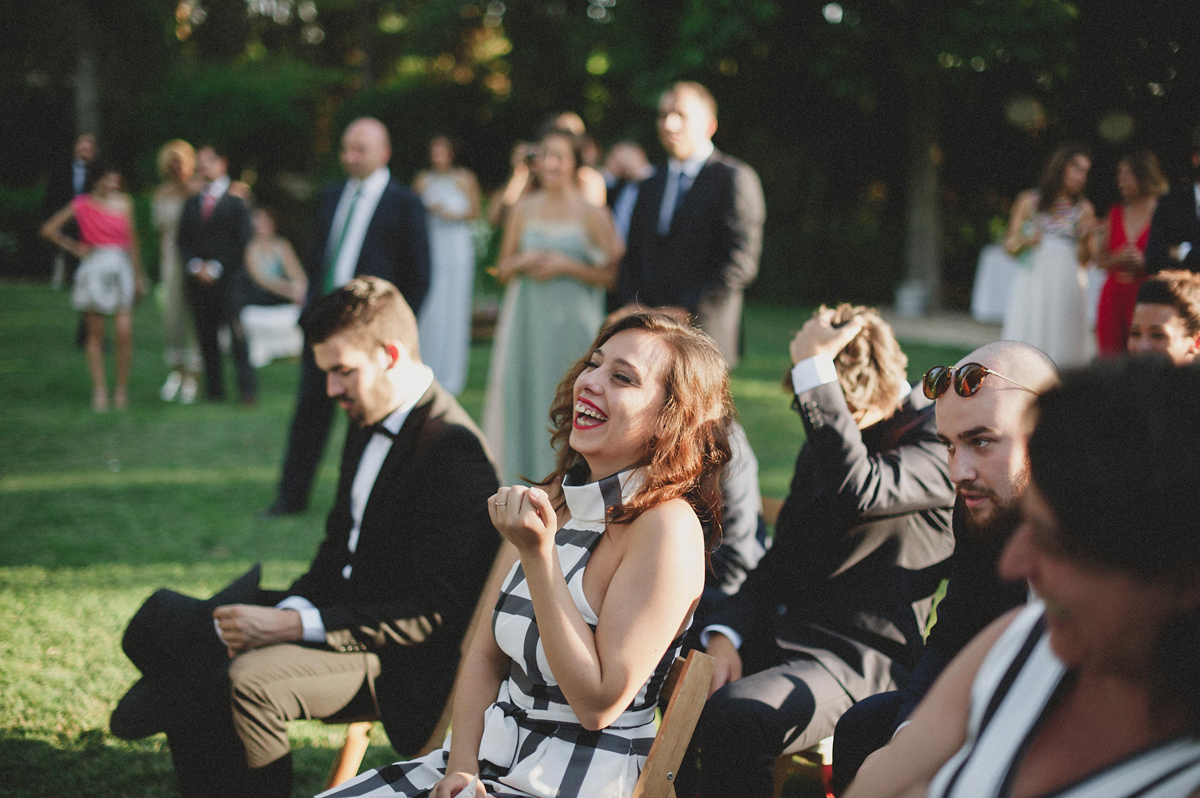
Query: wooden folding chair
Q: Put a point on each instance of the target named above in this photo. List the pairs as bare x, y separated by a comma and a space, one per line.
349, 758
686, 688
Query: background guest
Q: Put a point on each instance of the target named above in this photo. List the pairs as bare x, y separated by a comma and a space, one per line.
1175, 229
558, 254
177, 166
451, 197
1121, 249
63, 183
275, 291
522, 180
1047, 306
1166, 317
109, 278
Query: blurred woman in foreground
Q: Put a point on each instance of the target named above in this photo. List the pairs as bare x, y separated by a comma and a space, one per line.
1092, 689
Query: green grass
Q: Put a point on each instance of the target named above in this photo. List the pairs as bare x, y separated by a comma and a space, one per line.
97, 511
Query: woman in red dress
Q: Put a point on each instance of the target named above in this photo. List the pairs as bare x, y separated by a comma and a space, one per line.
1122, 248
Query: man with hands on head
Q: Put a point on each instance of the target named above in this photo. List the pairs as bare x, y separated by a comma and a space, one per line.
834, 610
373, 629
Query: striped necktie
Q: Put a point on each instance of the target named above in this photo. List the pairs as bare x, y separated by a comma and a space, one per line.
331, 262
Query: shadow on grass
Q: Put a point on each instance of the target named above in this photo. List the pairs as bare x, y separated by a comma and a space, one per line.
93, 763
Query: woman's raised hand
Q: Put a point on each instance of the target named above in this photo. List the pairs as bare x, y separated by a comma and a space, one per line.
525, 517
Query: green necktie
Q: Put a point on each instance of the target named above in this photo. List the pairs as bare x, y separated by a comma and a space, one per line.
331, 262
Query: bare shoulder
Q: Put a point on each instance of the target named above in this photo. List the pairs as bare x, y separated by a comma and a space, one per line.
669, 526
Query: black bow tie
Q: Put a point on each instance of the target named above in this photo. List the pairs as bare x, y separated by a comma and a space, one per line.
382, 430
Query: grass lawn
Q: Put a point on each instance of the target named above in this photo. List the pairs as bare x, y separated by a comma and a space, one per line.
97, 511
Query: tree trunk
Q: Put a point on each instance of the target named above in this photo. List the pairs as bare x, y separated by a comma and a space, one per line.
920, 291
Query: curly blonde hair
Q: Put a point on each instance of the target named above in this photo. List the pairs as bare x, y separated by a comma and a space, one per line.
871, 368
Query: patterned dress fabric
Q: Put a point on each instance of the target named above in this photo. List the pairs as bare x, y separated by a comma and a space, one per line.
445, 318
1048, 306
543, 328
1018, 681
533, 744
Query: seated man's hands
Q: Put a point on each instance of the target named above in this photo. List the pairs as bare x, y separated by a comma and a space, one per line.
819, 336
246, 626
728, 665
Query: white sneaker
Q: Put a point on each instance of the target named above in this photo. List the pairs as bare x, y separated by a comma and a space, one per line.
171, 386
187, 393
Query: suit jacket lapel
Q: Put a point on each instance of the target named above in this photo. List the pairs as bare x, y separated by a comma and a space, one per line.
399, 457
687, 205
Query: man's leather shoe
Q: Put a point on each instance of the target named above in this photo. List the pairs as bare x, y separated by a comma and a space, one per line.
148, 708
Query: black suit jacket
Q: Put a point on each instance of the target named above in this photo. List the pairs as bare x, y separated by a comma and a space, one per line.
709, 255
863, 538
426, 545
223, 238
396, 245
1174, 222
60, 190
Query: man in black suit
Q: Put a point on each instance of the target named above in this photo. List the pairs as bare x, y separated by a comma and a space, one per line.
696, 231
62, 185
834, 610
368, 224
1175, 229
374, 629
214, 229
986, 435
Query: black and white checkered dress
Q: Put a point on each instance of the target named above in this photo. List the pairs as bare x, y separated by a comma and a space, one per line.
533, 744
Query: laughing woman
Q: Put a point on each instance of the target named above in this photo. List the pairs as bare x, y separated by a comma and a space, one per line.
557, 694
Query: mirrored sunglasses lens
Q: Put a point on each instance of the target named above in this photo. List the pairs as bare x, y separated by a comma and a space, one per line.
969, 379
936, 381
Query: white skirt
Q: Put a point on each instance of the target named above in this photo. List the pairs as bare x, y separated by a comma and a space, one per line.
104, 282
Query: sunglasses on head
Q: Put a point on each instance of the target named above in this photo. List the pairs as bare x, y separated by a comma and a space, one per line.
967, 379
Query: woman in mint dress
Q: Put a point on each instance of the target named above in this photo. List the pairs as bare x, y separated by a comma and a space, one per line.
558, 255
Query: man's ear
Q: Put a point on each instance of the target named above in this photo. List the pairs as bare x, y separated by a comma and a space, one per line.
712, 127
1195, 347
395, 351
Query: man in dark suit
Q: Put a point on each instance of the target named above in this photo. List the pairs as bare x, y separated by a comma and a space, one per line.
986, 435
374, 628
214, 229
696, 231
1175, 229
368, 224
834, 610
62, 185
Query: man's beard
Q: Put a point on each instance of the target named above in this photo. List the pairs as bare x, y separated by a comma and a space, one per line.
1004, 517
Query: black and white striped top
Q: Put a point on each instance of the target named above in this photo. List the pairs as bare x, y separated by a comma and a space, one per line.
1018, 681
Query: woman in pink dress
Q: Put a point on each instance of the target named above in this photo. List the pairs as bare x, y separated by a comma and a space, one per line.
109, 277
1122, 248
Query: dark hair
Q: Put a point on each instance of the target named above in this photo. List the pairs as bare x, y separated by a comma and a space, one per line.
219, 150
369, 309
1115, 453
690, 447
1051, 181
449, 141
1146, 171
1178, 288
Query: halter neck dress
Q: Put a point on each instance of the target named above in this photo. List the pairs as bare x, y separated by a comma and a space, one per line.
1017, 684
533, 743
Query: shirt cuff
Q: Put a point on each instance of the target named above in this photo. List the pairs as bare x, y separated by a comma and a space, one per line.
813, 372
195, 266
215, 269
1184, 249
310, 617
716, 628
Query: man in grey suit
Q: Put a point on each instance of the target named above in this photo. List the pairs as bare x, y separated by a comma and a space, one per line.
696, 231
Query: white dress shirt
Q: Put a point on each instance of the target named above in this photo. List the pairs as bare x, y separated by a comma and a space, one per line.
369, 464
372, 189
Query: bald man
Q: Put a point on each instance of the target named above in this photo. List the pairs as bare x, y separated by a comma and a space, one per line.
367, 225
986, 434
